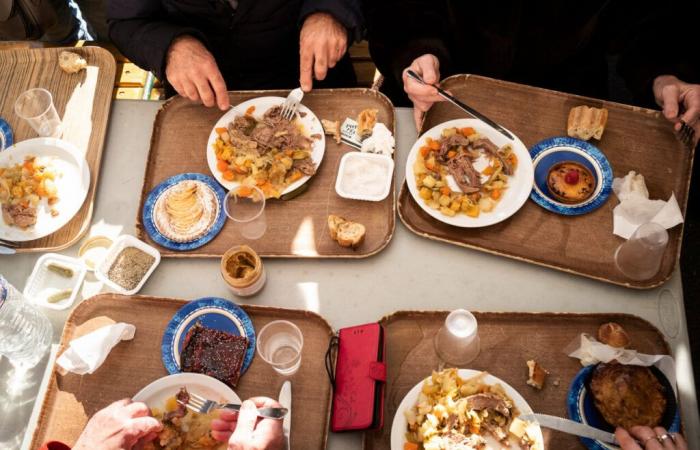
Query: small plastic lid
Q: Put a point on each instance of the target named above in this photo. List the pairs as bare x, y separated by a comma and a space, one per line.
346, 172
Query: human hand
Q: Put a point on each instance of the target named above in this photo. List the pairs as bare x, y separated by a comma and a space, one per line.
244, 430
680, 101
123, 425
193, 72
322, 43
422, 96
656, 439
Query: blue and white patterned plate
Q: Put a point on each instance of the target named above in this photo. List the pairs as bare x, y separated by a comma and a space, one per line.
211, 312
149, 222
6, 137
582, 409
549, 152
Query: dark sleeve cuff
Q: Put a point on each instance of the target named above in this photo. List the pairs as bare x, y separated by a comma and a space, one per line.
54, 445
347, 12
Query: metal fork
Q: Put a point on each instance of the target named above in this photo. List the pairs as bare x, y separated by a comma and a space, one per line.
686, 134
291, 105
201, 405
8, 243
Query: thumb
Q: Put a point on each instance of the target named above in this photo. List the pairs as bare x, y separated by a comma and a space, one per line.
247, 418
143, 426
429, 69
670, 96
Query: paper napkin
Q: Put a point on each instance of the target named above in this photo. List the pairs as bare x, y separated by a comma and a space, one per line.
87, 353
590, 351
636, 208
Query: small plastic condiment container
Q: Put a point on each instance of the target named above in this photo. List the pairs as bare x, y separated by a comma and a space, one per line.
119, 244
93, 251
251, 284
43, 282
365, 176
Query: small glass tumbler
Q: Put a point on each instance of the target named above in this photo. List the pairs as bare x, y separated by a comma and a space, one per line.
245, 205
37, 108
457, 342
640, 257
279, 344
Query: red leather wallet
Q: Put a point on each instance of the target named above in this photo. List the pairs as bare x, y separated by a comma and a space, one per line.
360, 374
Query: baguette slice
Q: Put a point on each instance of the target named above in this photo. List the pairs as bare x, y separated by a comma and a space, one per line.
331, 128
586, 122
536, 374
345, 232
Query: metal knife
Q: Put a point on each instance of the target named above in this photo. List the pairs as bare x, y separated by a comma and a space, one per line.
570, 427
462, 106
286, 401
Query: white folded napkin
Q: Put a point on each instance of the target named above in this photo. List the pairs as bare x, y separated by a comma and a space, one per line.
636, 208
590, 351
87, 353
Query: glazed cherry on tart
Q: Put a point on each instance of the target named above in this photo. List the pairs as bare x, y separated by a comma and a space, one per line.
571, 177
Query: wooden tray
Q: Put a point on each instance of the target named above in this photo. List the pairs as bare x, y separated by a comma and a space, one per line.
70, 400
25, 69
635, 139
296, 228
508, 340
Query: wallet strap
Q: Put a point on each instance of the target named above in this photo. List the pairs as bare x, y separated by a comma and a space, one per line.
330, 367
377, 371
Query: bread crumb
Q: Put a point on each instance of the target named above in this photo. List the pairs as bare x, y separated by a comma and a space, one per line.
71, 62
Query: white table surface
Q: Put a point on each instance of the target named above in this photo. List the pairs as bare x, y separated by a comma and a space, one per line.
403, 276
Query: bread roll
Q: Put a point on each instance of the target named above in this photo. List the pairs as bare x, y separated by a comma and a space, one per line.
614, 335
586, 122
345, 232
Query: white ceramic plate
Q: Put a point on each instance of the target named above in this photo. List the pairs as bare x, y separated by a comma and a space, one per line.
157, 393
399, 426
310, 123
519, 184
72, 183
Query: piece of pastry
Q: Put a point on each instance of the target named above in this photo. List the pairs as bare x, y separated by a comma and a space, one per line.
570, 182
627, 395
345, 232
71, 62
331, 128
186, 211
536, 374
365, 123
214, 352
614, 335
586, 122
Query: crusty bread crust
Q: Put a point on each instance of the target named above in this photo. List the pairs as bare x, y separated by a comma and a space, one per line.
586, 122
345, 232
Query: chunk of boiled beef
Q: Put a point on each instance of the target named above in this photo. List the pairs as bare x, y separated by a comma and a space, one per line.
490, 148
305, 166
464, 174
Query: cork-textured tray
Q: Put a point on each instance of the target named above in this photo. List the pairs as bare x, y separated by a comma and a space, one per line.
634, 139
296, 228
508, 340
31, 68
72, 399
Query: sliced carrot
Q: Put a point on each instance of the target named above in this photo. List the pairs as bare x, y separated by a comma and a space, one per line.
222, 165
451, 154
496, 194
424, 151
294, 176
289, 152
250, 110
260, 182
488, 170
410, 446
244, 191
430, 166
228, 175
240, 170
512, 159
221, 130
29, 165
434, 145
467, 131
445, 190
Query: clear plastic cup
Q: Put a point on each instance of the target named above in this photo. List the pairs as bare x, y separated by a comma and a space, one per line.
37, 108
245, 205
279, 344
457, 342
640, 257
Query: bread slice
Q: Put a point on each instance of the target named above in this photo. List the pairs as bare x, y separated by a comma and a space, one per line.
345, 232
331, 128
586, 122
536, 374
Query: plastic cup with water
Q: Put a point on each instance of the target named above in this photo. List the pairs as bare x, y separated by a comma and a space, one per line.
245, 206
457, 342
640, 257
25, 332
279, 344
37, 108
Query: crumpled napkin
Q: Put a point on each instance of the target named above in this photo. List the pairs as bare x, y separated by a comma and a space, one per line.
87, 353
590, 351
636, 208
